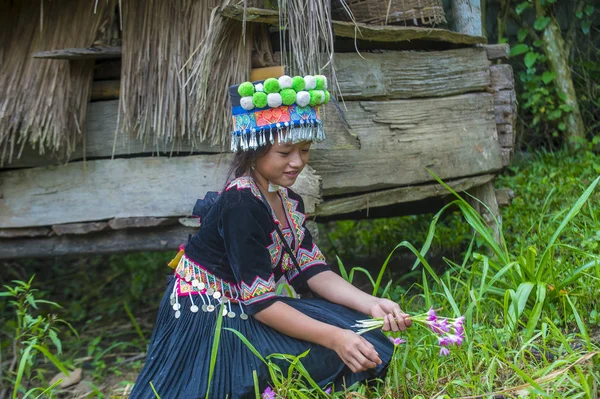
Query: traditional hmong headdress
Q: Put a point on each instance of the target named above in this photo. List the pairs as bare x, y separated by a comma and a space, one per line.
285, 108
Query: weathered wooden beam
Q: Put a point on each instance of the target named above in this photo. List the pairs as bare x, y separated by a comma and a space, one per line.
86, 53
78, 228
100, 140
105, 242
25, 232
137, 222
103, 90
341, 206
502, 77
378, 33
106, 189
411, 74
490, 212
400, 139
497, 51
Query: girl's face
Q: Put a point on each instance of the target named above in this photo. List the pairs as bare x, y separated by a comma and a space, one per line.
282, 163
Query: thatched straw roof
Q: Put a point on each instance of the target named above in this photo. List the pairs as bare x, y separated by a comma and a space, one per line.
44, 102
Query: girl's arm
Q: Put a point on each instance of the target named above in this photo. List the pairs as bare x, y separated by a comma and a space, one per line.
335, 289
355, 351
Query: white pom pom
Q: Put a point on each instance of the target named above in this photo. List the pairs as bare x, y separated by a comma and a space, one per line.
274, 100
302, 98
285, 82
259, 87
246, 103
310, 81
325, 79
321, 94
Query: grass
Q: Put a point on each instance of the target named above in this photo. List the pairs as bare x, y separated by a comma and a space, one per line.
530, 303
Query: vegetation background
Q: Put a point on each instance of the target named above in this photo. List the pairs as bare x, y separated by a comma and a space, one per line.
531, 304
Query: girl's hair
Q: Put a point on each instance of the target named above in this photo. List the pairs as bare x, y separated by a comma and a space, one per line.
243, 161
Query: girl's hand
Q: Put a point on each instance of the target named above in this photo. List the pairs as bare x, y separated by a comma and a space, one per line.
355, 351
393, 317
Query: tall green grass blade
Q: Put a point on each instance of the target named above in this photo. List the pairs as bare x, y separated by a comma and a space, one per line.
343, 272
476, 221
215, 348
21, 370
536, 313
430, 234
247, 343
59, 365
256, 386
362, 270
135, 324
156, 395
572, 213
580, 324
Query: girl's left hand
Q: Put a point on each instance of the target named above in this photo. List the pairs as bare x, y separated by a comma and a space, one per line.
393, 317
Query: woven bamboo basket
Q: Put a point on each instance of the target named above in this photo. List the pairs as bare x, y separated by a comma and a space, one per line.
388, 12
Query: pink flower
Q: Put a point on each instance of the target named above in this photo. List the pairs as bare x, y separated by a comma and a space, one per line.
444, 351
455, 339
431, 316
397, 341
268, 394
328, 391
444, 341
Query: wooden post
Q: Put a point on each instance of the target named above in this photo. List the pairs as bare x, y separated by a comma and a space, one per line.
467, 20
467, 17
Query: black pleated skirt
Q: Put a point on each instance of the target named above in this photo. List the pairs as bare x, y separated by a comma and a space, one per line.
179, 353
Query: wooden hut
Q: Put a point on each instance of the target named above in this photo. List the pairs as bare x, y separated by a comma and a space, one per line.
88, 167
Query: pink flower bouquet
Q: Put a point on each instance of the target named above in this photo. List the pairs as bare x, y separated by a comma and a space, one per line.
448, 331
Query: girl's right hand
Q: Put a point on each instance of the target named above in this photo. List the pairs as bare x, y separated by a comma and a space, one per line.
355, 351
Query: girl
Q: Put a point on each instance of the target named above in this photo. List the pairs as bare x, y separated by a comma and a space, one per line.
251, 237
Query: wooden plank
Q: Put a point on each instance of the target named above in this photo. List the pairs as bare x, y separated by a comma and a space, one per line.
78, 228
378, 33
502, 77
103, 90
341, 206
102, 125
136, 222
105, 242
25, 232
400, 139
85, 53
497, 51
490, 212
411, 74
106, 189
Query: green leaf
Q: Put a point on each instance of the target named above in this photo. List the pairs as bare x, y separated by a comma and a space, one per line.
589, 10
55, 341
522, 7
530, 59
554, 115
215, 348
548, 76
585, 26
522, 34
579, 14
562, 126
541, 23
519, 49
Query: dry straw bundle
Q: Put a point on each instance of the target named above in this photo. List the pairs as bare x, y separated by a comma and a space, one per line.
166, 96
44, 102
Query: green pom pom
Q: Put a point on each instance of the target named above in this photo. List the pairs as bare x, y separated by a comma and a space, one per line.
298, 83
320, 82
288, 96
316, 97
246, 89
259, 99
272, 85
327, 97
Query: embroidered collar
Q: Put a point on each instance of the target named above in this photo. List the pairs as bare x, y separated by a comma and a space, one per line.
295, 218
